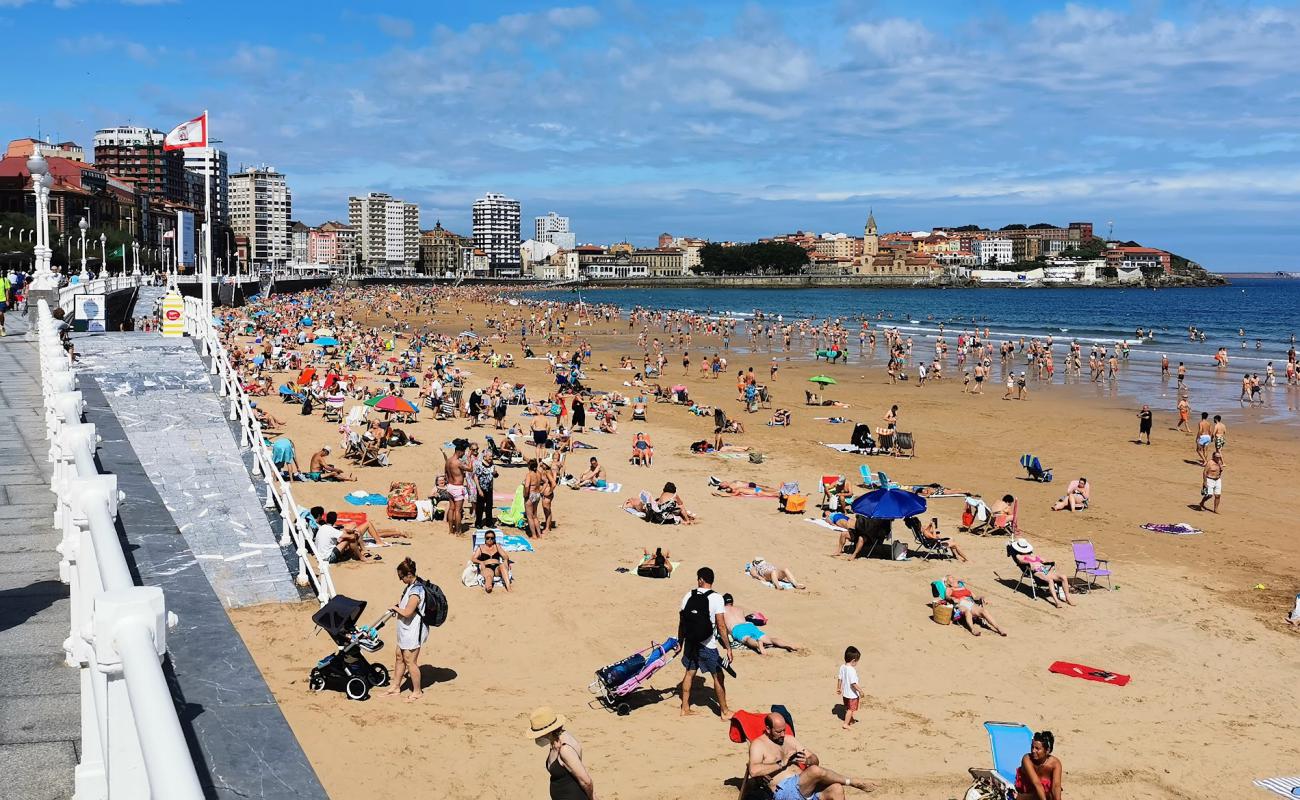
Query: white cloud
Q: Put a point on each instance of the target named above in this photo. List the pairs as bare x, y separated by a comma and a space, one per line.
395, 26
893, 39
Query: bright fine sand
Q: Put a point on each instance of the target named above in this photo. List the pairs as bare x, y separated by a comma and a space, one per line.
1197, 621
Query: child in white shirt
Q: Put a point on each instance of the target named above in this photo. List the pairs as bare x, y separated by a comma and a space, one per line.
847, 684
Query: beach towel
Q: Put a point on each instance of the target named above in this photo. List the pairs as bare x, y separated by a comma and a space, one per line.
842, 448
1088, 673
609, 487
401, 500
821, 523
509, 542
634, 512
513, 516
729, 456
360, 498
745, 725
1287, 787
1176, 528
357, 518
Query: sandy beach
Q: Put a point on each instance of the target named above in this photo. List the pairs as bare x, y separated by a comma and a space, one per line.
1213, 663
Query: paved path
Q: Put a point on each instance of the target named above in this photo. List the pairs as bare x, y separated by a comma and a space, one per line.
160, 392
40, 713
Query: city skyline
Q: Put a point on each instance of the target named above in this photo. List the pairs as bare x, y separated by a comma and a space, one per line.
731, 122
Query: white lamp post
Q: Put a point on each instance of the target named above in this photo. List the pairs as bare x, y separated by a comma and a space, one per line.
42, 277
103, 255
135, 258
85, 226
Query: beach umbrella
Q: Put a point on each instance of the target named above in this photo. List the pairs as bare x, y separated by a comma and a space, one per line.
326, 341
824, 380
260, 313
324, 332
889, 504
394, 403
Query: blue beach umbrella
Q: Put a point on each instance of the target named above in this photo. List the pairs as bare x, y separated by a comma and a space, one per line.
889, 504
327, 341
260, 313
259, 360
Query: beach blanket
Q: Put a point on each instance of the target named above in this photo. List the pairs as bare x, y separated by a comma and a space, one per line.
842, 448
634, 512
1287, 787
509, 542
1176, 528
360, 498
1088, 673
513, 516
401, 500
609, 487
357, 518
821, 523
728, 456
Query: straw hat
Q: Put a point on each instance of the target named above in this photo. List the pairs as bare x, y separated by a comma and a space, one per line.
544, 720
1022, 546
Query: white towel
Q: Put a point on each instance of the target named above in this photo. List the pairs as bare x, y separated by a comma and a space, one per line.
843, 448
1287, 787
821, 523
609, 487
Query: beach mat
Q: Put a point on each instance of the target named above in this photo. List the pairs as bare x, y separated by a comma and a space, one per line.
1287, 787
821, 523
842, 448
373, 499
1176, 528
509, 542
609, 487
1088, 673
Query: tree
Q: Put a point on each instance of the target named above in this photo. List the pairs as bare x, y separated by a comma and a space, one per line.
782, 258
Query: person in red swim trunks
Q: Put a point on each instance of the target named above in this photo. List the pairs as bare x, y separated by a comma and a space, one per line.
1039, 775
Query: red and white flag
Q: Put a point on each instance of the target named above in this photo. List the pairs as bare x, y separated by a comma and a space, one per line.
188, 134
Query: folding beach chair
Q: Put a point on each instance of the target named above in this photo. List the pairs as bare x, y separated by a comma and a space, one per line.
927, 547
869, 480
1035, 468
1009, 742
904, 444
1009, 525
1027, 574
1287, 787
1087, 563
883, 482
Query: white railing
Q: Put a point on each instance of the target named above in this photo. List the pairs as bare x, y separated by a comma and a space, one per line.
132, 745
294, 531
97, 286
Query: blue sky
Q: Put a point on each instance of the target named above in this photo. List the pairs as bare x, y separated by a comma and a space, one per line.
1179, 122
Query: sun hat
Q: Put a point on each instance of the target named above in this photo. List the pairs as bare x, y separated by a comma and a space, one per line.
757, 560
544, 720
1022, 546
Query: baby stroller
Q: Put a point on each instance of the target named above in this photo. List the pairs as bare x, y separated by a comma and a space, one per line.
1037, 472
346, 669
617, 681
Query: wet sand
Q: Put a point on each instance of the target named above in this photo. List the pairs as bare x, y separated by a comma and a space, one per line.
1214, 671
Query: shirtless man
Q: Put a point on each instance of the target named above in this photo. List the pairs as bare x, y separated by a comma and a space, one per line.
776, 757
454, 471
541, 428
747, 633
592, 477
533, 483
1204, 436
1220, 433
1213, 479
736, 488
319, 470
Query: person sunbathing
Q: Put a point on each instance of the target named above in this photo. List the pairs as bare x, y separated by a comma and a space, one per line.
779, 762
749, 634
760, 570
1076, 496
491, 562
368, 528
971, 608
319, 470
930, 535
1003, 512
720, 446
1022, 552
669, 504
781, 417
608, 424
840, 520
643, 451
655, 565
741, 488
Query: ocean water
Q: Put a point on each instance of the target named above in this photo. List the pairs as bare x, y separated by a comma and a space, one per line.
1267, 310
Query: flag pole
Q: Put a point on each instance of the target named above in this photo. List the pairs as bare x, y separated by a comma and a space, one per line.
207, 217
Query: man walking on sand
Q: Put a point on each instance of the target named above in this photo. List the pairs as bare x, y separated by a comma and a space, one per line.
701, 626
1203, 436
1213, 475
1220, 432
1184, 411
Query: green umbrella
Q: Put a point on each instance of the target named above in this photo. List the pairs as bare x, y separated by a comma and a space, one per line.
374, 401
824, 380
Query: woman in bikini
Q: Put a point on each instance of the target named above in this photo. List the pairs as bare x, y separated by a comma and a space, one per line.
492, 562
973, 608
1024, 556
1040, 773
760, 570
532, 497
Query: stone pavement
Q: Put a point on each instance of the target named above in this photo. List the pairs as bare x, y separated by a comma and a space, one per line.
40, 714
160, 392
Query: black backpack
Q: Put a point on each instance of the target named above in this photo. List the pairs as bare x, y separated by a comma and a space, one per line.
435, 604
696, 623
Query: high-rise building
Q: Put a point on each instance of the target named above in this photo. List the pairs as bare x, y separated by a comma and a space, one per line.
554, 229
496, 233
137, 154
332, 243
212, 162
260, 207
388, 229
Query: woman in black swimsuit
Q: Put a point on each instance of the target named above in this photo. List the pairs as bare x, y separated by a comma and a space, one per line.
569, 778
492, 562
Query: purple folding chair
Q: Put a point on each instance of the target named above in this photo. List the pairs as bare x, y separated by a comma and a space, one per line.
1087, 563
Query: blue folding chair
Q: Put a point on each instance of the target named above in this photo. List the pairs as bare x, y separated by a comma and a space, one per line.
1009, 742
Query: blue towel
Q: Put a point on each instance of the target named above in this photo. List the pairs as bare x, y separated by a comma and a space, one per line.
515, 543
375, 499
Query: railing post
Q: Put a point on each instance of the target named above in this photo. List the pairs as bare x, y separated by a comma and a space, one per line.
116, 612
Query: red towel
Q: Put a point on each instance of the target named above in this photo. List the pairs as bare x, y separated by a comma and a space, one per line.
1088, 673
746, 725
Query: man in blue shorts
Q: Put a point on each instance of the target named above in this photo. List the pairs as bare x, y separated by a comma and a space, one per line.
700, 621
791, 772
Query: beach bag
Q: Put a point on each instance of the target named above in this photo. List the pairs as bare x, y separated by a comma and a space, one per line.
898, 550
795, 504
434, 612
756, 458
695, 623
401, 500
652, 570
967, 518
942, 613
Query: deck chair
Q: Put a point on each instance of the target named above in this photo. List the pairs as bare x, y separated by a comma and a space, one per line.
372, 455
883, 482
1009, 742
1009, 526
904, 444
333, 410
1035, 468
357, 414
979, 515
928, 548
500, 456
764, 397
1027, 575
1286, 787
1087, 563
869, 479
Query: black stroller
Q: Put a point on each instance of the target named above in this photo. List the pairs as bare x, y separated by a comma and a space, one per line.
346, 669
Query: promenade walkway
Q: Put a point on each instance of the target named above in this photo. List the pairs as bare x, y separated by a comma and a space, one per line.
40, 713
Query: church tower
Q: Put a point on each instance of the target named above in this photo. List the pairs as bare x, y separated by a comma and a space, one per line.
870, 237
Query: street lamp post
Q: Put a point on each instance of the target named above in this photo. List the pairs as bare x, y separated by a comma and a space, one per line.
42, 277
85, 226
103, 255
135, 258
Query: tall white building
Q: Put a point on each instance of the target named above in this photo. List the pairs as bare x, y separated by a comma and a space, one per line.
496, 233
554, 229
212, 162
260, 207
388, 229
992, 251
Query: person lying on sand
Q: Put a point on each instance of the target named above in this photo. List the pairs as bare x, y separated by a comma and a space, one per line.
749, 634
760, 570
972, 607
738, 488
